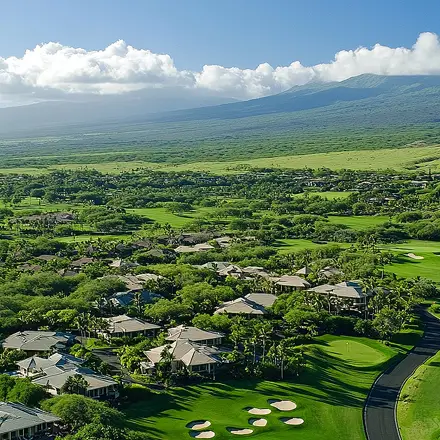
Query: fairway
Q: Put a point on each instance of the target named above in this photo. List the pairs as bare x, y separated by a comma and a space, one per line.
330, 396
289, 245
419, 406
408, 267
359, 223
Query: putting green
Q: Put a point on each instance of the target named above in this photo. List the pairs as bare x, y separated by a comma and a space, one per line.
356, 353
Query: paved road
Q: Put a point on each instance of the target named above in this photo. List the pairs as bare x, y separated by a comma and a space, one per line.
380, 409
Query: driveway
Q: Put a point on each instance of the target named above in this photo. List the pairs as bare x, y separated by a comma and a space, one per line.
380, 409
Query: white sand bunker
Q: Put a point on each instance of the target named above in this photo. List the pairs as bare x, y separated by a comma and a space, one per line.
415, 257
282, 405
259, 411
292, 421
198, 425
258, 422
240, 431
203, 434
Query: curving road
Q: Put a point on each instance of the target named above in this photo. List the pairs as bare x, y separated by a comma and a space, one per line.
380, 408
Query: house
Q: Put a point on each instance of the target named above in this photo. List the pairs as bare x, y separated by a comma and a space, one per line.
18, 421
215, 265
142, 244
26, 267
99, 386
350, 293
35, 341
224, 242
186, 354
35, 365
304, 271
145, 277
292, 282
194, 334
242, 306
329, 272
201, 247
262, 299
81, 262
231, 271
255, 271
125, 299
67, 273
121, 264
47, 257
125, 326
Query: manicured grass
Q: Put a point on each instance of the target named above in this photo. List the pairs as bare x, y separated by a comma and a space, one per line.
162, 215
289, 245
329, 395
359, 223
408, 267
419, 406
93, 237
330, 195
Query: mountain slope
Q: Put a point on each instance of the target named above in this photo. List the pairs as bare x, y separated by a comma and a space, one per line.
373, 88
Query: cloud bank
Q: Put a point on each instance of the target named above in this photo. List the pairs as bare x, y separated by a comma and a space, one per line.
52, 70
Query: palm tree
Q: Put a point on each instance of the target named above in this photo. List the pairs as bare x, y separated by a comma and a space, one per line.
75, 384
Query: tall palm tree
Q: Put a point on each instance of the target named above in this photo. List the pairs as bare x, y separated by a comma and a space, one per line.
75, 384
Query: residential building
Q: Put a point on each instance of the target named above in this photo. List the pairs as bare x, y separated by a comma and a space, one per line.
125, 326
292, 282
19, 422
186, 354
35, 365
242, 306
201, 247
262, 299
99, 386
36, 341
125, 299
194, 334
304, 271
81, 262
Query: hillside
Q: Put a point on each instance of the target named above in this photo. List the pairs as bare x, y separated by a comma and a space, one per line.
367, 112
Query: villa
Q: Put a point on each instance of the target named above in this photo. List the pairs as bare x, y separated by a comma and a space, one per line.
194, 334
125, 326
35, 341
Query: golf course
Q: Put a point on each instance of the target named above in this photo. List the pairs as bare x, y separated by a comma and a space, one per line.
329, 396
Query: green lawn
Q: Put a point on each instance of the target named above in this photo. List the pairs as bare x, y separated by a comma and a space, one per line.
359, 223
330, 195
419, 406
162, 215
289, 245
408, 267
329, 395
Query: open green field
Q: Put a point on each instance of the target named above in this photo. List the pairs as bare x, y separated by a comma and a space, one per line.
330, 396
289, 245
418, 411
405, 266
359, 223
330, 195
416, 157
162, 215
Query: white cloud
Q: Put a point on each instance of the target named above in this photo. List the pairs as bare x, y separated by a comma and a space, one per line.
50, 70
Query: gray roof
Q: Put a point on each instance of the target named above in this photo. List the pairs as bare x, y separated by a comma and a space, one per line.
82, 262
15, 416
193, 334
58, 379
124, 299
215, 265
125, 324
187, 352
201, 247
303, 271
346, 289
56, 361
241, 306
292, 281
263, 299
35, 340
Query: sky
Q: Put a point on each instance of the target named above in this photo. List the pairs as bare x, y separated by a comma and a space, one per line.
237, 48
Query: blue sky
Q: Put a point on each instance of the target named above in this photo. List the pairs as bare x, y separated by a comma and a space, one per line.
242, 33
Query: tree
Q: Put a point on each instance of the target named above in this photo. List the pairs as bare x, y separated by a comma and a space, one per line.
77, 411
103, 432
75, 384
388, 322
27, 393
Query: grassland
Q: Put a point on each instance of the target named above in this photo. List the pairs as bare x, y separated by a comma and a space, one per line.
329, 395
409, 158
419, 406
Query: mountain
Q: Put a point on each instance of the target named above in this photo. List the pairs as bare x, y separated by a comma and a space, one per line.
96, 109
368, 91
